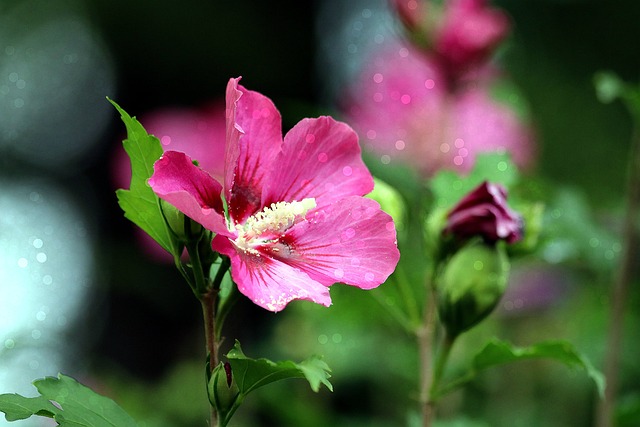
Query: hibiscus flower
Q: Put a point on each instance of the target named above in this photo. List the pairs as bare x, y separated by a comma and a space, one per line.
290, 214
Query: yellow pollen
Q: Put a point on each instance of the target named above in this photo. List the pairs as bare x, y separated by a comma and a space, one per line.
270, 223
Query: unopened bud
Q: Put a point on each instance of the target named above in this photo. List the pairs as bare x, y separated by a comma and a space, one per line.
471, 285
223, 391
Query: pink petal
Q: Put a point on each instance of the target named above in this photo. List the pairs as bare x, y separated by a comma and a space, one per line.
269, 282
352, 241
320, 158
190, 189
254, 138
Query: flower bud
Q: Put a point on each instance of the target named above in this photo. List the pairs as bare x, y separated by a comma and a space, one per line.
469, 33
484, 212
177, 222
471, 285
223, 391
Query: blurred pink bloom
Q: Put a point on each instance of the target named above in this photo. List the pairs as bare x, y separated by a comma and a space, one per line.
200, 133
297, 221
484, 212
469, 33
403, 109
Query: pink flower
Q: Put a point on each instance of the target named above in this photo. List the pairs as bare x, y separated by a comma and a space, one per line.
297, 221
402, 109
484, 212
468, 33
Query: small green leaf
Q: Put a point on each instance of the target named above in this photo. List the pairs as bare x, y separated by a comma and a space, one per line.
75, 405
498, 352
250, 374
139, 203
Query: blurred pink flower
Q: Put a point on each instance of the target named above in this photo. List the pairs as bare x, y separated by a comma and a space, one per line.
200, 133
297, 221
402, 108
459, 34
468, 34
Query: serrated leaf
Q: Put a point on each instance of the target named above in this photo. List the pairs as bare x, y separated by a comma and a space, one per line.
250, 374
448, 187
139, 203
76, 405
16, 407
498, 352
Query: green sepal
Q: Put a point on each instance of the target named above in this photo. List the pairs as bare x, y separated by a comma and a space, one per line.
470, 285
76, 405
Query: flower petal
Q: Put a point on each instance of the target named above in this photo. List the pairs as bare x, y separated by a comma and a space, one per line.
254, 138
269, 282
320, 158
190, 189
352, 241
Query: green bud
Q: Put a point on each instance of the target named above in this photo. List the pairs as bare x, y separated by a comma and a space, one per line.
532, 215
471, 285
178, 223
390, 201
222, 389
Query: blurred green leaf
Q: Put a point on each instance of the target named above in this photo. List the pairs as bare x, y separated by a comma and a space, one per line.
498, 352
390, 201
75, 405
140, 204
250, 374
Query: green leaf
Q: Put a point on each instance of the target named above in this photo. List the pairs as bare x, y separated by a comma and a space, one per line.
75, 405
448, 187
498, 352
140, 204
250, 374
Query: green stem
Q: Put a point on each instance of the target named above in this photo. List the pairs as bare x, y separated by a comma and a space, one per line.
441, 363
208, 302
425, 336
620, 290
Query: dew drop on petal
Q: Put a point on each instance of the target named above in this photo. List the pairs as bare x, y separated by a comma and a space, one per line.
338, 273
429, 83
459, 142
463, 152
302, 155
458, 160
377, 97
355, 262
349, 233
400, 144
206, 211
322, 157
444, 147
369, 277
310, 138
390, 226
405, 99
347, 171
377, 77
